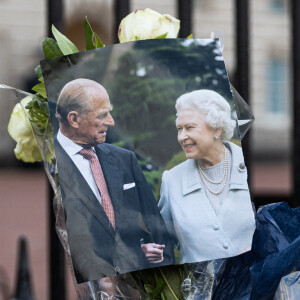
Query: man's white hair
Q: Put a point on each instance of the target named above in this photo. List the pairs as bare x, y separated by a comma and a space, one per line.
76, 95
214, 108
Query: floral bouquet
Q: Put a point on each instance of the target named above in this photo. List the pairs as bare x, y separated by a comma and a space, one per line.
30, 127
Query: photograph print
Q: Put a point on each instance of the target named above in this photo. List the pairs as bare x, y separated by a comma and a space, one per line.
149, 159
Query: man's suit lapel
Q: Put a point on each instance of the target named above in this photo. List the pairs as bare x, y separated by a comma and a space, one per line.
73, 179
112, 177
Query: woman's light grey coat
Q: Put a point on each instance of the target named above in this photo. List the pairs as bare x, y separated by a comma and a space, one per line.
190, 218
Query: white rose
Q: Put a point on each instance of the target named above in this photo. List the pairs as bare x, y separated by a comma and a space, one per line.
20, 130
145, 24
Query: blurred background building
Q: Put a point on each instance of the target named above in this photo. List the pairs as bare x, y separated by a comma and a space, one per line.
24, 205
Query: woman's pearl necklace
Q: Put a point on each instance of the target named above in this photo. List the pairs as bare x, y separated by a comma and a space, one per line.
223, 181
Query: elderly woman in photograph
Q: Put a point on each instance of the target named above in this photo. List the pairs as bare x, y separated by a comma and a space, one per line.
205, 200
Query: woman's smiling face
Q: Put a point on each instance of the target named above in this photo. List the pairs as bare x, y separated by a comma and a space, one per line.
195, 136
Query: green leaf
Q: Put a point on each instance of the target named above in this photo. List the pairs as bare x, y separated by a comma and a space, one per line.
40, 88
51, 48
149, 288
38, 114
137, 38
163, 36
38, 71
43, 106
173, 279
190, 36
89, 35
65, 45
39, 74
98, 42
158, 288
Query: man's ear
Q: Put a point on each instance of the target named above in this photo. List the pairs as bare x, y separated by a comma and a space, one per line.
73, 119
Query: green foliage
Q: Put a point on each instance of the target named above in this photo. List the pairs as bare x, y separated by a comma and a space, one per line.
37, 107
154, 291
154, 180
173, 276
92, 39
51, 48
38, 114
98, 42
160, 283
40, 88
38, 73
64, 44
177, 159
148, 80
89, 35
163, 36
120, 144
153, 177
177, 256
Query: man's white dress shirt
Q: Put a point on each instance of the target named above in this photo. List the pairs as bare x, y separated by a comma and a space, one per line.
82, 164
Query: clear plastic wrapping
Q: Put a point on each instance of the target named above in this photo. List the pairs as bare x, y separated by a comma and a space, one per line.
189, 281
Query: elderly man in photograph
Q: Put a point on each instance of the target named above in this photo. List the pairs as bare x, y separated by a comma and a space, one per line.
112, 219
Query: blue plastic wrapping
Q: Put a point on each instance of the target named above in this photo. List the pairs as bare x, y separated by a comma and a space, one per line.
289, 287
275, 253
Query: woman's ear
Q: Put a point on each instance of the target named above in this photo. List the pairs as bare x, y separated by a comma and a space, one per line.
73, 119
219, 132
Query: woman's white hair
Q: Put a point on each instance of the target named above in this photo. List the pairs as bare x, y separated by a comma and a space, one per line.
214, 108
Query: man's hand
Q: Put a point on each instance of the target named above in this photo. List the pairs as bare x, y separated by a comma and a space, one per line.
154, 252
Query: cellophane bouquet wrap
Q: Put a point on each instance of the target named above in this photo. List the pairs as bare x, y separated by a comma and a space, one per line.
30, 127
